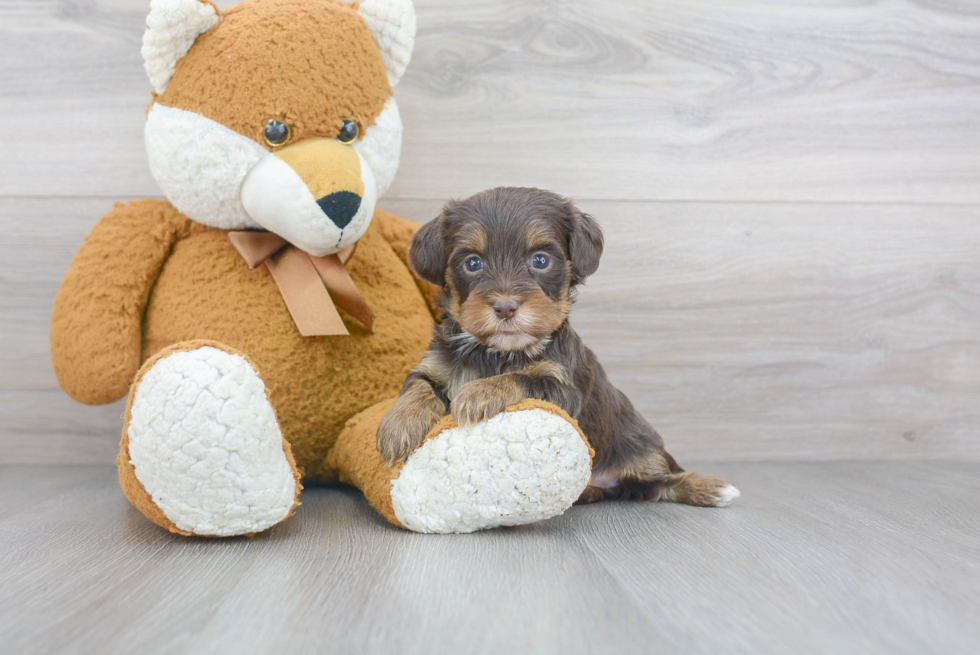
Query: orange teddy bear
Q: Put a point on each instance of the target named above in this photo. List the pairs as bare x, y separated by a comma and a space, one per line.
262, 317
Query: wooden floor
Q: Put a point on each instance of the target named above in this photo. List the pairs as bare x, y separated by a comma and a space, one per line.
842, 557
790, 193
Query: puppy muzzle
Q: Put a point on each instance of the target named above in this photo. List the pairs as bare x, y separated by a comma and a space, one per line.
317, 194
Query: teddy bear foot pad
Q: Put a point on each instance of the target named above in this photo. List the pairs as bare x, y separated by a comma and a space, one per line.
205, 445
515, 468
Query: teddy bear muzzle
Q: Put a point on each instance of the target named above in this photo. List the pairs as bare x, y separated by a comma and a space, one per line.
318, 194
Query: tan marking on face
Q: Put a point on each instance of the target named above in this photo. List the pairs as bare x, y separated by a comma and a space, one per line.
536, 319
540, 315
311, 65
477, 317
453, 295
538, 234
472, 239
325, 165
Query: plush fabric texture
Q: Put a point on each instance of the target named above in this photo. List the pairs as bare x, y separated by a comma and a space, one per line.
393, 24
381, 146
521, 466
200, 165
96, 327
106, 323
358, 462
171, 29
205, 444
229, 405
530, 463
128, 480
266, 61
281, 194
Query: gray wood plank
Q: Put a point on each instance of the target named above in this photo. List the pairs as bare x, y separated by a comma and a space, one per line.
665, 99
742, 331
792, 332
865, 557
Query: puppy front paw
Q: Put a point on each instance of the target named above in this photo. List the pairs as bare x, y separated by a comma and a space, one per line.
405, 425
485, 398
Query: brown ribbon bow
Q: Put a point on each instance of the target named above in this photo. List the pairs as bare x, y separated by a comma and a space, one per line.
312, 287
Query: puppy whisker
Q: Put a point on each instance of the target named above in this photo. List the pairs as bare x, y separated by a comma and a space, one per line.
463, 343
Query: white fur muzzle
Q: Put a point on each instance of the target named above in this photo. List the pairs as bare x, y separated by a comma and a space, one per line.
278, 200
200, 165
202, 168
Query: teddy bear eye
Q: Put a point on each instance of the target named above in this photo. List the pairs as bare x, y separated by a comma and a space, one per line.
277, 133
348, 132
473, 264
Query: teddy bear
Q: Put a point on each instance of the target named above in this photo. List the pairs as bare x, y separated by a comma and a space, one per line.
263, 316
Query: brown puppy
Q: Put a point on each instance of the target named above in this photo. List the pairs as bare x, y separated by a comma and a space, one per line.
509, 261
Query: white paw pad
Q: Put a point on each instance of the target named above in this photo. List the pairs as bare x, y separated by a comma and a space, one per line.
515, 468
205, 444
726, 495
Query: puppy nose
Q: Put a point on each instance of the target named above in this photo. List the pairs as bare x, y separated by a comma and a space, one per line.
505, 308
340, 207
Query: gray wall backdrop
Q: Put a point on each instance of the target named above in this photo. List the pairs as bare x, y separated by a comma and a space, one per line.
790, 193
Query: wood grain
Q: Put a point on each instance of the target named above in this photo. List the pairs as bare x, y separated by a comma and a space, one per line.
742, 331
620, 99
789, 194
814, 558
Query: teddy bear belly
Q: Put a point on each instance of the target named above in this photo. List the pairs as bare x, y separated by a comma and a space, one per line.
205, 291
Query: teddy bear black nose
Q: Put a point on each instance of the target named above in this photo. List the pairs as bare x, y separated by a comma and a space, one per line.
340, 207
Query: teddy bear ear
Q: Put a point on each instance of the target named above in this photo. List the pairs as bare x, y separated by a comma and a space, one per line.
393, 24
171, 29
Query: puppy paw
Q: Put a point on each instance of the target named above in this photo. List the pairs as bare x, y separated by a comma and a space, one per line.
405, 425
726, 495
707, 491
485, 398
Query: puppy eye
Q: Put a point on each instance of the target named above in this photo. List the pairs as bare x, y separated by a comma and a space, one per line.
473, 264
348, 132
540, 261
277, 133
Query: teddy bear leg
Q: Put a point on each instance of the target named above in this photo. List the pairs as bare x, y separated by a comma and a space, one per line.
524, 465
201, 451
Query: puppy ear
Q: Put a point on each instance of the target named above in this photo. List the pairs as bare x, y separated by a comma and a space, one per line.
584, 244
427, 253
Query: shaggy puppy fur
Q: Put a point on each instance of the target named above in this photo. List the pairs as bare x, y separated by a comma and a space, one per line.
509, 261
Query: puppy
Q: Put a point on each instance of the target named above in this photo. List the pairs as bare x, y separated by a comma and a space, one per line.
509, 261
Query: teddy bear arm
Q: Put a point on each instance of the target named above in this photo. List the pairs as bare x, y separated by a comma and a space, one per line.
398, 232
96, 325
